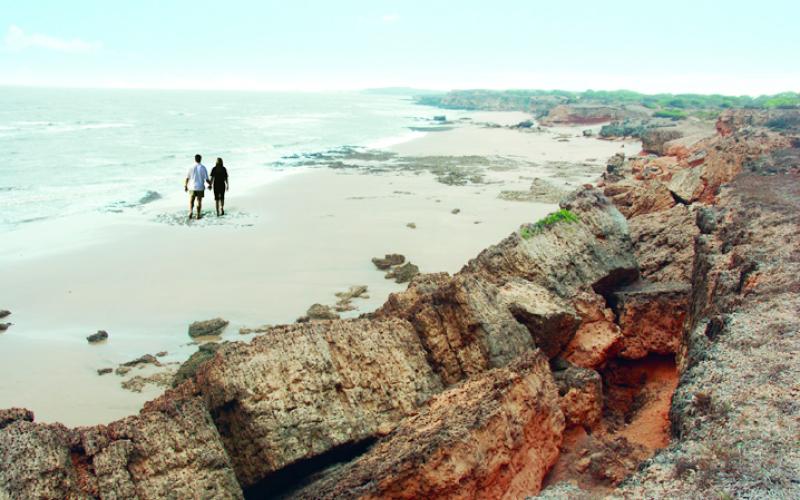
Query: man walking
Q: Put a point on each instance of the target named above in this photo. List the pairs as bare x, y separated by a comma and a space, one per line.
196, 178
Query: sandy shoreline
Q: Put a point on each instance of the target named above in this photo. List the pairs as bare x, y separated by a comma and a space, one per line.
291, 243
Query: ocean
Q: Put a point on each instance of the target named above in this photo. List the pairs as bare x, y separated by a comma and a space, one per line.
74, 153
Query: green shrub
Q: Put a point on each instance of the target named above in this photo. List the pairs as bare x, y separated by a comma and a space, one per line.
561, 216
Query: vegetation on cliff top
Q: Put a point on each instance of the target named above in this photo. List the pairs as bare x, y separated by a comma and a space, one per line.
539, 101
537, 227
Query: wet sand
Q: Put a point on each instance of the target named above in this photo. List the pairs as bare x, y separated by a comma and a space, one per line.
144, 276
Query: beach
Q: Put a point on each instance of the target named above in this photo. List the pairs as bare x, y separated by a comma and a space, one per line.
295, 241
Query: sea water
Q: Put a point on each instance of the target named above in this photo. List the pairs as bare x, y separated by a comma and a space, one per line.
79, 153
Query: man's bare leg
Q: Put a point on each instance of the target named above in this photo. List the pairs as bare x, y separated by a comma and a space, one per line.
199, 206
191, 205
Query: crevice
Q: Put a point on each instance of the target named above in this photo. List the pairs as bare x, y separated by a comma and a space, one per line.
286, 481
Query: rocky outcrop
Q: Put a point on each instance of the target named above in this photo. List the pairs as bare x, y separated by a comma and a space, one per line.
518, 294
576, 114
494, 436
301, 390
171, 450
734, 414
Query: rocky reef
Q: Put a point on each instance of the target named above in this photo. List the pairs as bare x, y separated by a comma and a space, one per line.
546, 365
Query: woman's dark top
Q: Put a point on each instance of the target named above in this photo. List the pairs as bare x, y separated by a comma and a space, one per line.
219, 176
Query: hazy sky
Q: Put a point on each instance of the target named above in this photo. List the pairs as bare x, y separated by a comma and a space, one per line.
732, 47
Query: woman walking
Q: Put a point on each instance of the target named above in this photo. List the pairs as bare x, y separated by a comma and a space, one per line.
219, 182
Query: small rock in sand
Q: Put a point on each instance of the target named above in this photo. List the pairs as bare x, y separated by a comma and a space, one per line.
411, 225
4, 313
103, 371
207, 328
455, 211
100, 336
389, 260
161, 354
404, 273
4, 326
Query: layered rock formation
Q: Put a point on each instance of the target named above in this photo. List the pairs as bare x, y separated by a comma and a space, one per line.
494, 436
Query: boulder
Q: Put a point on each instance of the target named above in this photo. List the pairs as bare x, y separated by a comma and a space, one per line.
301, 390
100, 336
687, 184
598, 336
389, 260
403, 273
494, 436
650, 317
211, 327
4, 313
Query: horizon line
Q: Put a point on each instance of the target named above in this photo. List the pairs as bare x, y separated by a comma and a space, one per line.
368, 88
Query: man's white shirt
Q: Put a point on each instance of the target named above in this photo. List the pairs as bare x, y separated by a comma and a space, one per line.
198, 176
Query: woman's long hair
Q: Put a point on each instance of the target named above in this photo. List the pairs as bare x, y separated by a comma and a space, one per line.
219, 162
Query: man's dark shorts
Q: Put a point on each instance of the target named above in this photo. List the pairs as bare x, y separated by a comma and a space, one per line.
195, 194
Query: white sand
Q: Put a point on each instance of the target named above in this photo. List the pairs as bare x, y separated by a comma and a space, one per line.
287, 245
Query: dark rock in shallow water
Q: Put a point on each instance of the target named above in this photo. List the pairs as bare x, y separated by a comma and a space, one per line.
207, 328
389, 260
100, 336
4, 313
4, 326
104, 371
455, 211
404, 273
147, 359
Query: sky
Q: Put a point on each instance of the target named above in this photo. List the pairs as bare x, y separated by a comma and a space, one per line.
728, 47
